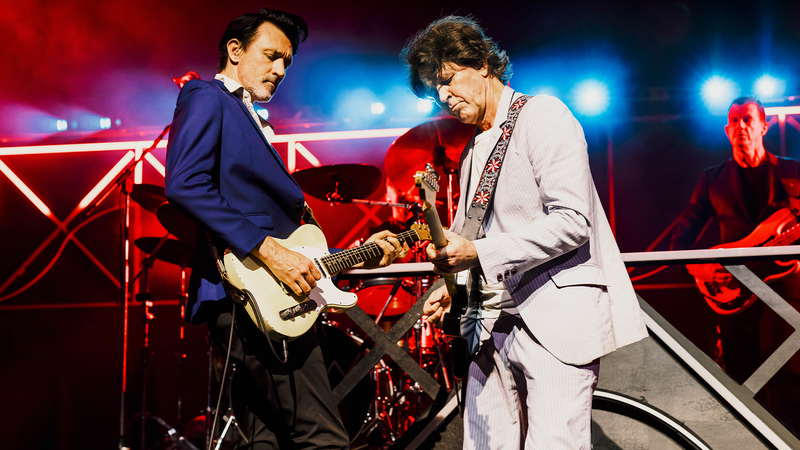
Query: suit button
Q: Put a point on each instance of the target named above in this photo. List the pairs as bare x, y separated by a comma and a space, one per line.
513, 270
508, 274
499, 277
298, 204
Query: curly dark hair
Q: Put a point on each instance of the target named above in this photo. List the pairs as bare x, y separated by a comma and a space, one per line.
245, 28
451, 39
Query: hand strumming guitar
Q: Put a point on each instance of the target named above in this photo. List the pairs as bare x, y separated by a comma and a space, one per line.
293, 269
436, 305
710, 273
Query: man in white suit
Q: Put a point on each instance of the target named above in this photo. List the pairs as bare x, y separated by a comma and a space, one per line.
554, 293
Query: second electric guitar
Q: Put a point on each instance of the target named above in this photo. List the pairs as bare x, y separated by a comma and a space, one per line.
781, 228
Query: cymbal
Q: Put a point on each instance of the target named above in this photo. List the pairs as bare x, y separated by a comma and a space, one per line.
439, 142
172, 251
354, 181
177, 223
148, 196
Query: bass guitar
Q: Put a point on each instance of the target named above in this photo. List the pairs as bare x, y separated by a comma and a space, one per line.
781, 228
277, 310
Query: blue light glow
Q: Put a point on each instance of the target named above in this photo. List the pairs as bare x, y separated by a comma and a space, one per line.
61, 125
105, 123
717, 93
591, 97
768, 87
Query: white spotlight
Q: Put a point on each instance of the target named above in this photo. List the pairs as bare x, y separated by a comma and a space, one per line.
61, 125
717, 93
768, 86
377, 108
592, 97
105, 123
424, 105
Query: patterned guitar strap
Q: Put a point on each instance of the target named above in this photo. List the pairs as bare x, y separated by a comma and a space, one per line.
480, 208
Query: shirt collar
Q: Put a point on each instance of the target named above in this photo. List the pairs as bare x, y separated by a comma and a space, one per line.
233, 86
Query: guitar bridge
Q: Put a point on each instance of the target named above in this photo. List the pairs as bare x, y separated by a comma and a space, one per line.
298, 310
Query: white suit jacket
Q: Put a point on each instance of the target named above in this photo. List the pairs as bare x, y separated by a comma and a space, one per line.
547, 223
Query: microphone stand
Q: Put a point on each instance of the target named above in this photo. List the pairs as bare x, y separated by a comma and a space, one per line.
125, 286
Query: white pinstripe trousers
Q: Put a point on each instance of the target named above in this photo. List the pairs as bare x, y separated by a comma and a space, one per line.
520, 396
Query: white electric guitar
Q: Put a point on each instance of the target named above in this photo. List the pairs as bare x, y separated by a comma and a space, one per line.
277, 310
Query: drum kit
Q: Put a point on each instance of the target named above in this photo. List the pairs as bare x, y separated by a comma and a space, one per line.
385, 404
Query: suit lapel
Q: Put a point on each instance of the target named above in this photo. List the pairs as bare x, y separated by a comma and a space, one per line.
256, 128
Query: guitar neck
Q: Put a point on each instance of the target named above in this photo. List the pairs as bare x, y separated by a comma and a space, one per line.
439, 241
338, 262
786, 238
435, 225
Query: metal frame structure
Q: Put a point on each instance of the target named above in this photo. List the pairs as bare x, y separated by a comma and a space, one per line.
738, 397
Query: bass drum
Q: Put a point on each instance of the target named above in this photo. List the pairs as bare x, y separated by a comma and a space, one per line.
342, 351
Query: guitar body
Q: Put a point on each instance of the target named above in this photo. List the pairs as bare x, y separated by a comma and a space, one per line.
733, 298
266, 296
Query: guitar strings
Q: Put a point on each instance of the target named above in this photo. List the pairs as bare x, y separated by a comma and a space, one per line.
346, 258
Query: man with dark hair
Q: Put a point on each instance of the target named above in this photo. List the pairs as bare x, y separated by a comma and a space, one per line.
223, 172
739, 195
553, 294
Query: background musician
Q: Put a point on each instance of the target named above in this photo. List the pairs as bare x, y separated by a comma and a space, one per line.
738, 195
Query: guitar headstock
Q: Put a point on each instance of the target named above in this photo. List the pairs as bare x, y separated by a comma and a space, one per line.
422, 231
427, 181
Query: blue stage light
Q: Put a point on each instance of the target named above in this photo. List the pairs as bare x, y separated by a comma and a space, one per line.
61, 125
424, 105
767, 87
377, 108
591, 97
717, 93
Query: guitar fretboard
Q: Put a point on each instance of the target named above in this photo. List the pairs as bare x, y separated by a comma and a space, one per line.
337, 262
786, 238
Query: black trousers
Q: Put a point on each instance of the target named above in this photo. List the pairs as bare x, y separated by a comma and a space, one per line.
278, 405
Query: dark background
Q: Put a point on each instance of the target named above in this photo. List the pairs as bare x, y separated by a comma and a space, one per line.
60, 367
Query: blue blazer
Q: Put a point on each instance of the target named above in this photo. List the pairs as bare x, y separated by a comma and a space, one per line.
222, 172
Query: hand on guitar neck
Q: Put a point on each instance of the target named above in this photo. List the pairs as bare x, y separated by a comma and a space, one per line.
459, 254
392, 249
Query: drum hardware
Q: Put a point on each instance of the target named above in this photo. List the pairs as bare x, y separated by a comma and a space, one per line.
439, 141
148, 196
177, 224
174, 252
339, 182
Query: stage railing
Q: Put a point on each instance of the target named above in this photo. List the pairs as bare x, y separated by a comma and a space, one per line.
738, 397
